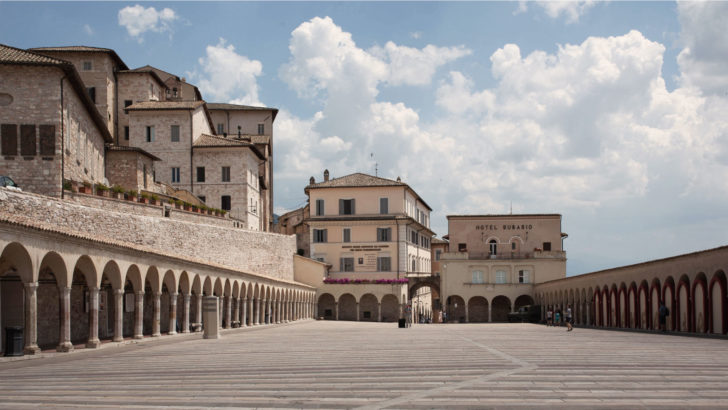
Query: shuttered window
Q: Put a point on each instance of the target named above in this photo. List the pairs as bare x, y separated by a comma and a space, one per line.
346, 207
384, 234
346, 264
384, 264
47, 140
27, 140
9, 139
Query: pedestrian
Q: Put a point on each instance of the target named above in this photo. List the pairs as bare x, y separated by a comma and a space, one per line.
664, 312
549, 317
569, 319
558, 318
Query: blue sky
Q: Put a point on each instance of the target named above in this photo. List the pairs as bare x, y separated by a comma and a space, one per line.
611, 114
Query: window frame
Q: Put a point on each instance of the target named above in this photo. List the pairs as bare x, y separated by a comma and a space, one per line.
172, 133
346, 235
225, 174
200, 176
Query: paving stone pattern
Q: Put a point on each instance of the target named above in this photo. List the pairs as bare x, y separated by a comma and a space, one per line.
375, 365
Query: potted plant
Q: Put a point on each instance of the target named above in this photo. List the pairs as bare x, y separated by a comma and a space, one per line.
217, 212
144, 198
102, 190
154, 199
177, 203
117, 191
223, 212
67, 186
210, 211
131, 195
186, 205
85, 188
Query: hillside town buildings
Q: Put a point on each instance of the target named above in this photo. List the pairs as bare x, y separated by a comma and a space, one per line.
80, 265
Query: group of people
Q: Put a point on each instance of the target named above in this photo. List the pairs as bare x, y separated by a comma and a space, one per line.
555, 317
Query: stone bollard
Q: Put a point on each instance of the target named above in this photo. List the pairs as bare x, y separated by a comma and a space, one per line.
211, 317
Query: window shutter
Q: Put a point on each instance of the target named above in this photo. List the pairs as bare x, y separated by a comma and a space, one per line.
27, 140
341, 264
341, 207
353, 209
10, 139
326, 239
47, 140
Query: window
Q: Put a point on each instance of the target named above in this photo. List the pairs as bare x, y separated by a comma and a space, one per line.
225, 202
383, 206
126, 133
47, 140
127, 103
320, 235
261, 129
346, 207
493, 247
414, 237
10, 139
477, 276
513, 246
346, 264
547, 246
87, 66
384, 264
92, 93
200, 174
319, 207
27, 140
500, 276
462, 247
414, 265
220, 128
438, 253
225, 174
523, 276
174, 132
347, 235
384, 234
203, 198
175, 175
150, 133
175, 92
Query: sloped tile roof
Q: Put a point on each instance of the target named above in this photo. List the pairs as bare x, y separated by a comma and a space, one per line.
239, 107
356, 180
83, 49
165, 105
132, 149
212, 141
12, 55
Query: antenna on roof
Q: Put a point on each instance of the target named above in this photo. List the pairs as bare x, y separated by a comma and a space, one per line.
376, 165
511, 207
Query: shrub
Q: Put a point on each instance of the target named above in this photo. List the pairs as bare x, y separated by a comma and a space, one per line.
67, 185
117, 189
101, 187
132, 193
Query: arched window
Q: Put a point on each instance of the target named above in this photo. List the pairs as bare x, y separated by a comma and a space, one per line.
493, 247
414, 265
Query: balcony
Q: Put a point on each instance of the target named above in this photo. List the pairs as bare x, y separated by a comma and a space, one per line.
516, 255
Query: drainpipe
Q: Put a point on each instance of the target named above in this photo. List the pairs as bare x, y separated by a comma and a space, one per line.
192, 143
63, 144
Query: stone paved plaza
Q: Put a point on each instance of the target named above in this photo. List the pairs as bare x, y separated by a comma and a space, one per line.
376, 365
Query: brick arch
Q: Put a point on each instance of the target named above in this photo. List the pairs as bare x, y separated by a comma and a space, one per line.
700, 302
718, 304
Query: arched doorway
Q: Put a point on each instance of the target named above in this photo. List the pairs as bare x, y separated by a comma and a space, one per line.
477, 310
455, 309
390, 308
500, 306
326, 306
523, 300
347, 307
368, 308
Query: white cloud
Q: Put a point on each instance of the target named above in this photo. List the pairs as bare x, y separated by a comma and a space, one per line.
704, 58
589, 131
416, 35
411, 66
570, 10
88, 30
228, 76
137, 20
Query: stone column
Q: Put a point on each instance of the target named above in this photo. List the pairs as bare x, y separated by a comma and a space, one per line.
588, 310
257, 311
173, 313
198, 316
93, 318
278, 311
236, 311
490, 313
467, 316
65, 328
228, 312
220, 310
157, 304
289, 310
251, 311
336, 310
244, 314
31, 318
118, 315
379, 310
186, 313
357, 311
212, 316
139, 315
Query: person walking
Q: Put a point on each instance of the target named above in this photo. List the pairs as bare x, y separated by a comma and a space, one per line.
549, 317
664, 312
557, 315
568, 319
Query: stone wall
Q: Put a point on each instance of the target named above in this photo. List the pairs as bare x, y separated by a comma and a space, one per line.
137, 88
249, 251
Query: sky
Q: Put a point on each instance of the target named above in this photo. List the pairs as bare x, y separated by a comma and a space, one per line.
612, 114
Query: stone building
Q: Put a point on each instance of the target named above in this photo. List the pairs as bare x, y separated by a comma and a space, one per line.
50, 128
375, 233
494, 261
130, 167
135, 86
292, 223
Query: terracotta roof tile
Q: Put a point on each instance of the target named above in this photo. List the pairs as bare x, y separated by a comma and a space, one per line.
238, 107
132, 149
165, 105
14, 55
356, 180
212, 141
82, 49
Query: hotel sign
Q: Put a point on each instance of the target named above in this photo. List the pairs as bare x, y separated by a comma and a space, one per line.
504, 227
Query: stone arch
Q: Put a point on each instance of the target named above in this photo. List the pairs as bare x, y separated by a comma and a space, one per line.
606, 308
111, 280
169, 302
597, 307
207, 286
17, 259
84, 281
477, 309
613, 306
684, 307
700, 304
643, 305
368, 308
623, 305
390, 308
668, 296
455, 309
327, 307
500, 307
53, 269
347, 307
185, 285
718, 303
236, 289
525, 300
218, 288
655, 298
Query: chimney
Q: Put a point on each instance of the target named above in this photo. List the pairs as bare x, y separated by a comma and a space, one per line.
326, 175
399, 179
239, 135
224, 134
311, 181
184, 80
